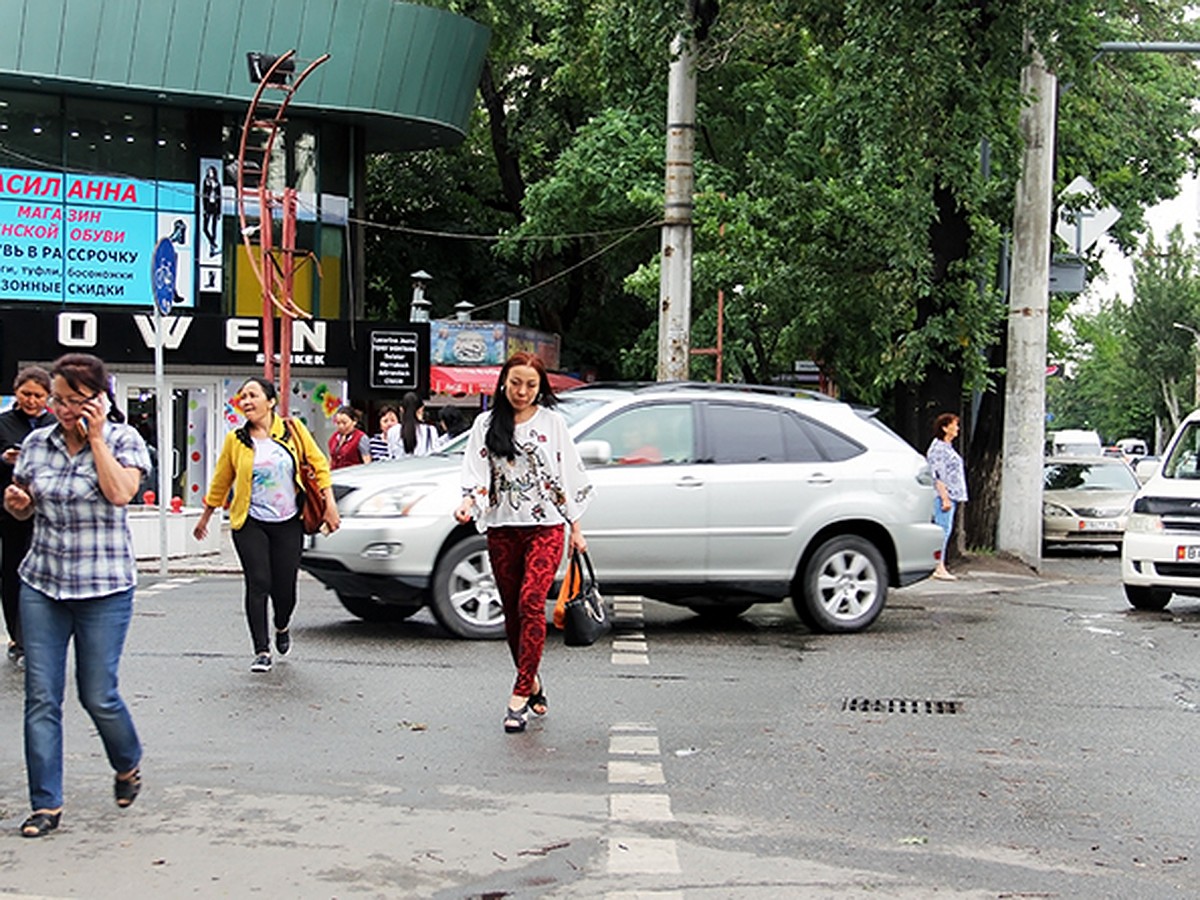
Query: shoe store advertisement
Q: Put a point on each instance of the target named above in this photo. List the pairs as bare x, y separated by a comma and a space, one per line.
211, 247
89, 238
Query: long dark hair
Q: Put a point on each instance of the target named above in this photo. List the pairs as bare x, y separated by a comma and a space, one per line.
409, 421
86, 375
499, 438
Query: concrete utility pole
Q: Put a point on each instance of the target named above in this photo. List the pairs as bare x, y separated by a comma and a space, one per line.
1020, 525
675, 287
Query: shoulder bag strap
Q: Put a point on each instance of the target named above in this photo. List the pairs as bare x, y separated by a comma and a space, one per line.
295, 436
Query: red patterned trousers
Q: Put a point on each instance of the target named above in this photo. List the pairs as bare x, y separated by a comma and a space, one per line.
524, 561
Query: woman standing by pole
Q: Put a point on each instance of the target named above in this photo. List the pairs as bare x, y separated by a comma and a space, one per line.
949, 482
75, 480
523, 481
261, 463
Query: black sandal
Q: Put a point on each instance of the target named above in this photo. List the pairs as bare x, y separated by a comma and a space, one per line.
515, 719
537, 700
126, 789
40, 823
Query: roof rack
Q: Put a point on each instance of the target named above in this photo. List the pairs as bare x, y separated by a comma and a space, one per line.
667, 386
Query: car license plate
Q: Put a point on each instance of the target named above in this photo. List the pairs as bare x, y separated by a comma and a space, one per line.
1187, 553
1098, 525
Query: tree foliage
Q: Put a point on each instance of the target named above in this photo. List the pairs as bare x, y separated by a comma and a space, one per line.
855, 171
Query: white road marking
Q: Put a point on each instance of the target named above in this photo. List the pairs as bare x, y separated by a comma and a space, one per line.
640, 808
634, 744
628, 771
627, 855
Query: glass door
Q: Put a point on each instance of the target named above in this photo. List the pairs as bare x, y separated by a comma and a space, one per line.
191, 426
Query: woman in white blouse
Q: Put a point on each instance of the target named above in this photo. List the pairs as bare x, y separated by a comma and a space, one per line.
522, 481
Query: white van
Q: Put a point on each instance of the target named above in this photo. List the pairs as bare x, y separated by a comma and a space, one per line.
1074, 442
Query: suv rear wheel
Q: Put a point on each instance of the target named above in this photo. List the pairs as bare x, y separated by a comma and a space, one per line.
464, 596
844, 586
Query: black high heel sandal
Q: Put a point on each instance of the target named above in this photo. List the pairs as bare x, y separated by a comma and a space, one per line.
537, 700
516, 719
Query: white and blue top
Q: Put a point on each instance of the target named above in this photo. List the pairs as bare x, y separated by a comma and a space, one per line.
947, 467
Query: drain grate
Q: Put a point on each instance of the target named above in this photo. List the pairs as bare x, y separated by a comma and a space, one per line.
901, 705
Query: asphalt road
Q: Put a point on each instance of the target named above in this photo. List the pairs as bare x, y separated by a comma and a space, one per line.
1003, 735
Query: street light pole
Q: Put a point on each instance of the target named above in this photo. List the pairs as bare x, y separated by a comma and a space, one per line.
1196, 353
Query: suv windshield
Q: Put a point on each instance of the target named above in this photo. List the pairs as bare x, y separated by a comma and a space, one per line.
1183, 463
1089, 477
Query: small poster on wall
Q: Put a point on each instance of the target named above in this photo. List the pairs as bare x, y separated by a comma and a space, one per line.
211, 243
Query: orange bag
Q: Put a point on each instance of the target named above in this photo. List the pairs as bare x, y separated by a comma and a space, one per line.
570, 588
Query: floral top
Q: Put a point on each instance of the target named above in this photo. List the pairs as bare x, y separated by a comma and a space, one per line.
947, 467
544, 484
273, 483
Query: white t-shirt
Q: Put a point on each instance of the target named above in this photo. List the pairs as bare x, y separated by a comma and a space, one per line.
426, 441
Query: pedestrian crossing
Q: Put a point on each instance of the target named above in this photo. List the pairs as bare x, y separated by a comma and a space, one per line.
638, 801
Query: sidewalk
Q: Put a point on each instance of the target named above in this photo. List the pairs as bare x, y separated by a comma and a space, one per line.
223, 562
976, 574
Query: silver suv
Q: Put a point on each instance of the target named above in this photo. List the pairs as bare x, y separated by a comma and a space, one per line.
707, 496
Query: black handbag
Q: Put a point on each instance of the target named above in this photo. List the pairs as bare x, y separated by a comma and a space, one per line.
585, 618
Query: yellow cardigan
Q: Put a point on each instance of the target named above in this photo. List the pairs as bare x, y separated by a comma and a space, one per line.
235, 468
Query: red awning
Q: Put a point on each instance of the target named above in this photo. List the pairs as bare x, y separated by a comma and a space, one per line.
472, 380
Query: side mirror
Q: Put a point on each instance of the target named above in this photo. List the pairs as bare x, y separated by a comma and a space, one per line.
595, 453
1145, 469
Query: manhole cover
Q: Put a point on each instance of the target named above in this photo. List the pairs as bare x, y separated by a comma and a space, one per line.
901, 705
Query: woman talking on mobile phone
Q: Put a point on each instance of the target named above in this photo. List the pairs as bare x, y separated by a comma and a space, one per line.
74, 479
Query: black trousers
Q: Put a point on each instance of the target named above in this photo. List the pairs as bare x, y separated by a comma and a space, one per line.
14, 544
270, 556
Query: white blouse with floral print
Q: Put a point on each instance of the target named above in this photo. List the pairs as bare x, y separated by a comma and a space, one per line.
544, 484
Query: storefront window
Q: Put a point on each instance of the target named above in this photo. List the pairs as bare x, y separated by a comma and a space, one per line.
173, 146
30, 131
107, 138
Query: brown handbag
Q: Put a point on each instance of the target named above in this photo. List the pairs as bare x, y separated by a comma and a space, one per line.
313, 510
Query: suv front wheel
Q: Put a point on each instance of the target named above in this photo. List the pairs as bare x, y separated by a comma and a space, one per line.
464, 598
844, 585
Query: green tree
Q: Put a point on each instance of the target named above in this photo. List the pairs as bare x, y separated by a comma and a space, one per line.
1108, 389
856, 167
1166, 289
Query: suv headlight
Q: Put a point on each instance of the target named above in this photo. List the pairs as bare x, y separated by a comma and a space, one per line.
1144, 523
1056, 509
393, 501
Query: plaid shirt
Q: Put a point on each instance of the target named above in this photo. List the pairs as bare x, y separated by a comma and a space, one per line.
82, 547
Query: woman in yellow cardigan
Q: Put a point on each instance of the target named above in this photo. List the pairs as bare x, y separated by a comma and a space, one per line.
260, 462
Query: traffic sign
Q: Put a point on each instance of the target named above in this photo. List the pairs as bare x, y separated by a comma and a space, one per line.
1080, 228
165, 262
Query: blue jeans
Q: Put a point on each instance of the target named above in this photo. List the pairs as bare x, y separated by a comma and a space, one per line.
945, 518
99, 627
